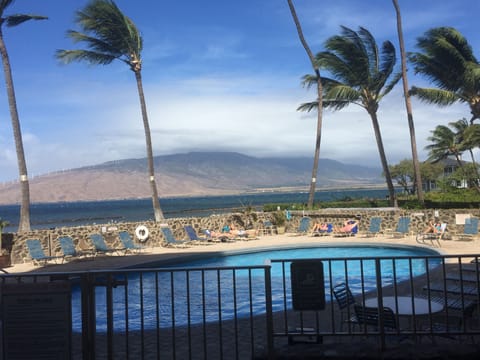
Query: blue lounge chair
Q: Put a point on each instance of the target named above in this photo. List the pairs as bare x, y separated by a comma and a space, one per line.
403, 227
128, 243
321, 232
100, 247
194, 238
374, 227
351, 230
303, 227
69, 250
170, 240
38, 255
470, 229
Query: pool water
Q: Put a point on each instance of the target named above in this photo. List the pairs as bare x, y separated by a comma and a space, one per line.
196, 295
259, 257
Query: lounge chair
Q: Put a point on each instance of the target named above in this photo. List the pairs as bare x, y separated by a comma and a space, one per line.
194, 238
374, 227
170, 240
345, 299
349, 229
323, 232
100, 247
370, 316
38, 255
268, 228
69, 250
403, 227
128, 243
303, 227
464, 289
422, 238
466, 276
470, 229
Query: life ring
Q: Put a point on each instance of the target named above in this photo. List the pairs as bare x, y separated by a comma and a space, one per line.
141, 232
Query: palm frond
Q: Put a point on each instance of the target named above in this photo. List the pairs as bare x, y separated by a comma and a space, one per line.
472, 136
94, 58
14, 20
444, 142
434, 96
309, 80
309, 106
340, 92
4, 4
394, 81
445, 59
107, 34
337, 66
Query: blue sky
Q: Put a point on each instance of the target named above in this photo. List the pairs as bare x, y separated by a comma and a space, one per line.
218, 76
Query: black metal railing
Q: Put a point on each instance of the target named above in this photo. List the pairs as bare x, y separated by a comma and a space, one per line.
240, 312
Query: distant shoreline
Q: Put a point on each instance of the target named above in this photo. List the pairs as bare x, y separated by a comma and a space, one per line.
258, 191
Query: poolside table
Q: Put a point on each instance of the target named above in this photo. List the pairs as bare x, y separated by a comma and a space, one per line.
402, 305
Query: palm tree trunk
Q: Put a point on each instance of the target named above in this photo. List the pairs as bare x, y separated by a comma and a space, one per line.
24, 224
383, 159
318, 138
148, 139
408, 105
475, 166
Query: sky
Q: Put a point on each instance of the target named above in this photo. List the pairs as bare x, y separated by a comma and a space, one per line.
218, 76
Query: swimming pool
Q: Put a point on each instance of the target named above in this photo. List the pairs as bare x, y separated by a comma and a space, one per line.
215, 288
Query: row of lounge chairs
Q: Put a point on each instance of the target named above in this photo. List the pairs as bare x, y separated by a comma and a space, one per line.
402, 229
69, 251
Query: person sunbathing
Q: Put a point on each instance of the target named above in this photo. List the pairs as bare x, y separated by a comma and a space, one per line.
347, 227
222, 235
433, 228
241, 232
320, 227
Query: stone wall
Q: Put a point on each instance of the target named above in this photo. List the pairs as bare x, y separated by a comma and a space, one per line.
80, 234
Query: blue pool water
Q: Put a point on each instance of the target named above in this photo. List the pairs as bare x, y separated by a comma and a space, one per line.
196, 295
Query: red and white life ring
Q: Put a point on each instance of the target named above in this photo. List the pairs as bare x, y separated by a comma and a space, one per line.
141, 232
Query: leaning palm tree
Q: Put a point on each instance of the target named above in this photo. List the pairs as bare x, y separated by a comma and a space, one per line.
445, 142
408, 106
360, 73
466, 139
316, 157
447, 60
14, 20
110, 35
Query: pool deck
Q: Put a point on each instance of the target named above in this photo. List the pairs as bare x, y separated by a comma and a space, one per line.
156, 254
336, 349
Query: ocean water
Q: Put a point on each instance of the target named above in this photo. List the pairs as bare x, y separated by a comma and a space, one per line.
51, 215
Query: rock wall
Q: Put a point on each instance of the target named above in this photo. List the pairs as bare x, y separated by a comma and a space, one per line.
80, 234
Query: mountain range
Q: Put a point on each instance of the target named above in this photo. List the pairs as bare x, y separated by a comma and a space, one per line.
190, 174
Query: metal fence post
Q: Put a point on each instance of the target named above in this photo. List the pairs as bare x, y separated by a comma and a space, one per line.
88, 316
269, 310
381, 328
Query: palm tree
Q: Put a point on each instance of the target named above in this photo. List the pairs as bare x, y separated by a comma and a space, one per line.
318, 138
110, 35
10, 21
447, 60
445, 142
360, 74
466, 139
408, 106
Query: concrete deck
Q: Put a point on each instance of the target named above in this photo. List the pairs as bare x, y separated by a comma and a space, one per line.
155, 254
